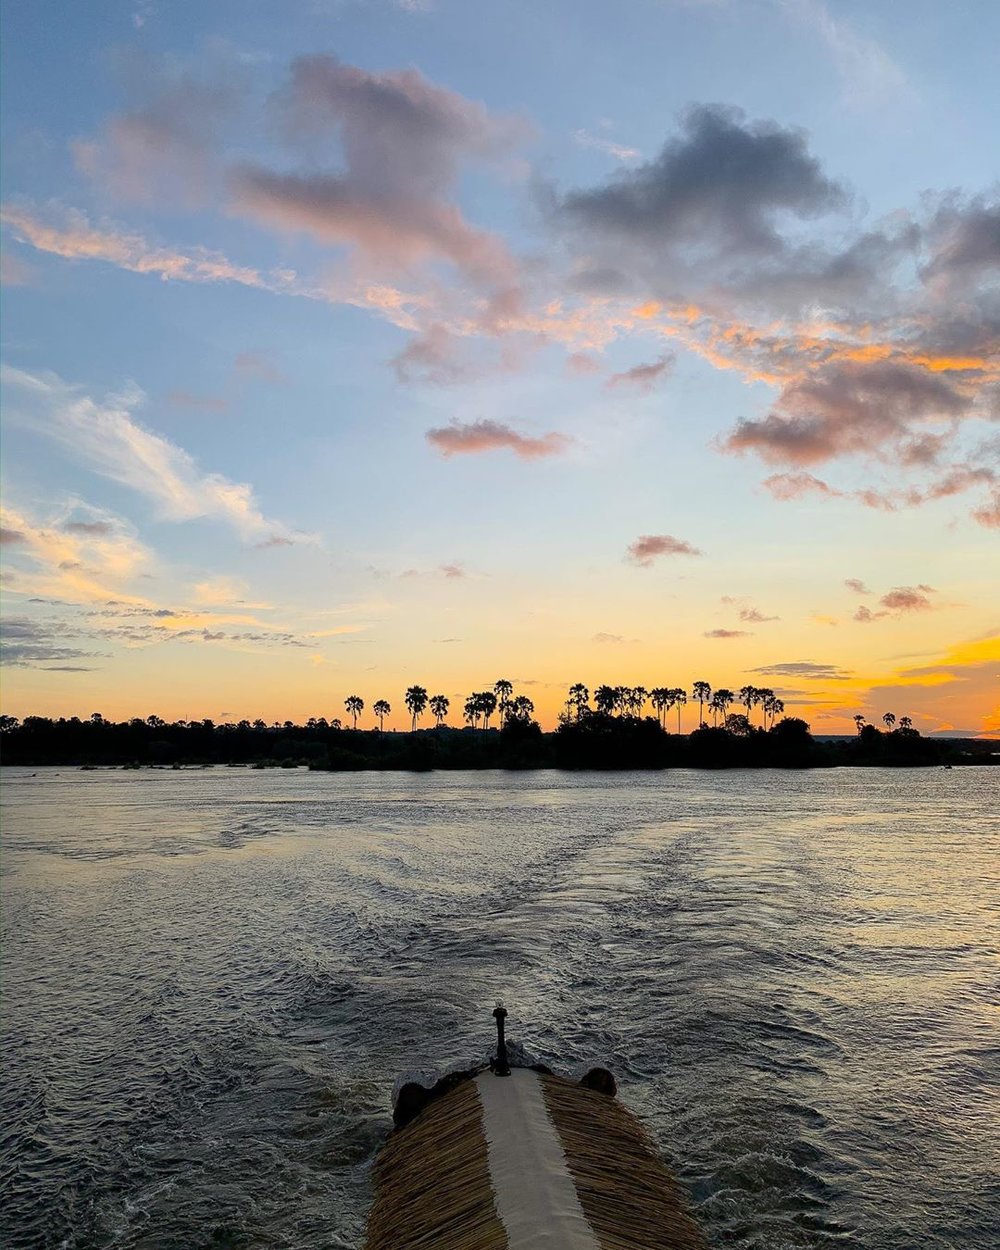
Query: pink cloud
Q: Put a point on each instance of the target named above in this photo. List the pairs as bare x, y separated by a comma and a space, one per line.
786, 486
857, 585
480, 436
405, 141
727, 633
846, 408
647, 547
582, 363
908, 599
643, 377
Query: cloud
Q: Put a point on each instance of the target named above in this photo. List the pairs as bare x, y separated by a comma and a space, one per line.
73, 237
453, 571
644, 377
405, 141
858, 586
163, 147
9, 537
648, 547
898, 602
726, 633
29, 643
908, 599
958, 687
582, 363
870, 78
480, 436
612, 639
433, 355
720, 190
106, 438
755, 616
14, 271
808, 669
599, 143
58, 560
200, 403
260, 366
845, 409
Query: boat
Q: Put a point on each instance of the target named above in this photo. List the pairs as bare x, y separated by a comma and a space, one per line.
509, 1155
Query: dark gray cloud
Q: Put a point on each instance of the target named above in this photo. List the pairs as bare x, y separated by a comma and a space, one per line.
91, 529
805, 668
964, 241
723, 182
29, 643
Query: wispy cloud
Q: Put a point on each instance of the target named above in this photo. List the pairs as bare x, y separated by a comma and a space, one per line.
809, 669
870, 78
644, 377
475, 437
726, 633
71, 560
601, 143
107, 439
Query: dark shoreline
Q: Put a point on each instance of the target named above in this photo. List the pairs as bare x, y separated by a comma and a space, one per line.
597, 742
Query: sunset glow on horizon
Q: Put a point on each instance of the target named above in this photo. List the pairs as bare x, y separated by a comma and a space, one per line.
352, 346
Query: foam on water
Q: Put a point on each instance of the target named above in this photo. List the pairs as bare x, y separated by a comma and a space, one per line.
212, 979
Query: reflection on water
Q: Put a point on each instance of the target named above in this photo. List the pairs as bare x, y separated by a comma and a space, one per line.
211, 980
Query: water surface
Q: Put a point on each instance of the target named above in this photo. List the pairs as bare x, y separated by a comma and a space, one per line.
212, 978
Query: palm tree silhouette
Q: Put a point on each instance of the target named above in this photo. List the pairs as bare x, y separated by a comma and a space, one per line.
701, 691
381, 709
416, 701
503, 690
889, 719
772, 707
522, 707
905, 722
579, 698
439, 704
604, 699
487, 705
749, 697
680, 698
639, 696
723, 699
472, 710
659, 696
859, 720
354, 704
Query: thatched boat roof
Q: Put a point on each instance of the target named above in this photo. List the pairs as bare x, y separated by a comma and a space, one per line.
528, 1161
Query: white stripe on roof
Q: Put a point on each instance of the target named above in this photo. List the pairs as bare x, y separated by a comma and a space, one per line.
534, 1193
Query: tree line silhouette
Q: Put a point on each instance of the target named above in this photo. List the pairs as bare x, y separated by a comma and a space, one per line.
610, 729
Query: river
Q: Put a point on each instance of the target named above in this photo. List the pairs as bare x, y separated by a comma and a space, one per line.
211, 979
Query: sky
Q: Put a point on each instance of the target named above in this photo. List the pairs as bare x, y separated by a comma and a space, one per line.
352, 344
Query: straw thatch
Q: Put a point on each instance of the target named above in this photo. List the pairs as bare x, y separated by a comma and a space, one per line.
434, 1189
628, 1195
432, 1182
